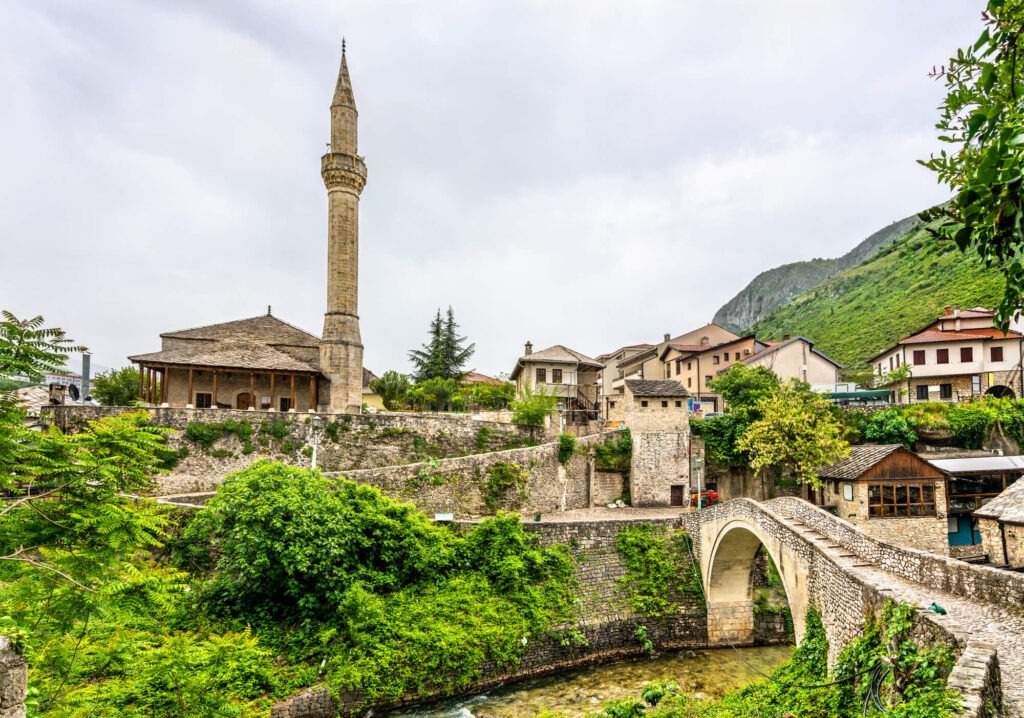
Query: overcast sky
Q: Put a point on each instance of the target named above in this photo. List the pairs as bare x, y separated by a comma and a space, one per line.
588, 173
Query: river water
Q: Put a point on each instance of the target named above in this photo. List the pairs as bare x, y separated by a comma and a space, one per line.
711, 672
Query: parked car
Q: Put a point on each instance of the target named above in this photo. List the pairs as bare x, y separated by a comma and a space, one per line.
707, 498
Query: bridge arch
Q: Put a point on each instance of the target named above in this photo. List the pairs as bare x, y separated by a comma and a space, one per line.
727, 566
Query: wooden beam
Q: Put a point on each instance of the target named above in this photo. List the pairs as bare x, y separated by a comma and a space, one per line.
213, 399
164, 373
141, 373
312, 393
272, 377
190, 399
252, 389
292, 378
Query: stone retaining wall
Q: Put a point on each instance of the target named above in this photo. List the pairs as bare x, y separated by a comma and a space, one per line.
344, 441
464, 485
13, 681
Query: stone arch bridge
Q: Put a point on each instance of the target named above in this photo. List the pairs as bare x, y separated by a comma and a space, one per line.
847, 575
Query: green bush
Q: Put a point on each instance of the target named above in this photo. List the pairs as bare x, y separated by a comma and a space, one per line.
502, 477
889, 427
659, 568
615, 454
566, 447
203, 434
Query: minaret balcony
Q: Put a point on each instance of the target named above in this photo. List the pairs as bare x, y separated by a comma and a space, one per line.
346, 171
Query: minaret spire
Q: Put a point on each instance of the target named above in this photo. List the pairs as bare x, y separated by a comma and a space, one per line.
344, 174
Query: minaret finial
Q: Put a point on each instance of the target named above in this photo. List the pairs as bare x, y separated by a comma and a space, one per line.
342, 44
268, 310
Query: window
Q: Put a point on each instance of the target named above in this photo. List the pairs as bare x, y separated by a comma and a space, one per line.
286, 403
918, 357
942, 356
643, 402
265, 402
922, 392
556, 376
966, 354
901, 500
897, 361
678, 364
204, 400
714, 359
707, 379
611, 404
997, 353
668, 371
689, 382
737, 356
890, 363
688, 365
664, 405
847, 492
542, 375
945, 391
679, 404
976, 383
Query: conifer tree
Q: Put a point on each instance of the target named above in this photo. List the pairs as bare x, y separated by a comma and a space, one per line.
445, 355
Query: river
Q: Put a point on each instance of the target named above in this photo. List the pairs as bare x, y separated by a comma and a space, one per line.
711, 672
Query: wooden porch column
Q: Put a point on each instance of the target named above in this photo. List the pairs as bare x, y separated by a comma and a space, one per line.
164, 373
252, 389
142, 371
213, 399
190, 401
292, 378
149, 385
272, 377
312, 393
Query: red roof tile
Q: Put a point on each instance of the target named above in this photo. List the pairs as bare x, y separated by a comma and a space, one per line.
933, 336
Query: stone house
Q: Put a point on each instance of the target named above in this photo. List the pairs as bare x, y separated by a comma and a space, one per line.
695, 365
973, 483
1001, 523
892, 494
958, 356
796, 358
568, 374
658, 416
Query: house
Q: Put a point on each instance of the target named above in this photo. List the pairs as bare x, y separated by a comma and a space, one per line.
568, 374
892, 494
611, 377
973, 484
796, 358
696, 365
958, 356
656, 411
1001, 523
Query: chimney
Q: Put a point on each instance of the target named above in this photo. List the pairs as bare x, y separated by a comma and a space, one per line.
785, 337
529, 347
947, 309
956, 311
704, 341
667, 336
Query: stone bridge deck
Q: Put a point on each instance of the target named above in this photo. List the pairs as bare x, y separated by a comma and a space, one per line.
984, 605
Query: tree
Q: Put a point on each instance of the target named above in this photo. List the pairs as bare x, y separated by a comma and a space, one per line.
983, 121
435, 393
445, 354
392, 388
117, 387
798, 433
533, 405
742, 386
28, 348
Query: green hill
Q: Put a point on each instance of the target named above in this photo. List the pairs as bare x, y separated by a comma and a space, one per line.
860, 311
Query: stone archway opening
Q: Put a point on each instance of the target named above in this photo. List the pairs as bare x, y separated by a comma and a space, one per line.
742, 607
1000, 392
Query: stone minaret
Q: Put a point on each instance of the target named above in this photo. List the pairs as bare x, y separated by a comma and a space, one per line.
344, 173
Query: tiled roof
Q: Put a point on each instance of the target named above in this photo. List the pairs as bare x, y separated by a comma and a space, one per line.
772, 346
1008, 507
860, 460
560, 354
266, 329
477, 378
659, 388
229, 355
976, 313
934, 336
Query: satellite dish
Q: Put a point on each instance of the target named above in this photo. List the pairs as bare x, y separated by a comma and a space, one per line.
73, 391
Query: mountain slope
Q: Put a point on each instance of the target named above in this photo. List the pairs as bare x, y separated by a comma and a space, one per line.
775, 287
898, 290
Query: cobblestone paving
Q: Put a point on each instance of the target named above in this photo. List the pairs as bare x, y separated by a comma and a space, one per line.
965, 618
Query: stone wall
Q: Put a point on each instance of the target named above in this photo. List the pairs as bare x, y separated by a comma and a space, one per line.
661, 459
607, 487
344, 441
13, 681
536, 481
994, 537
